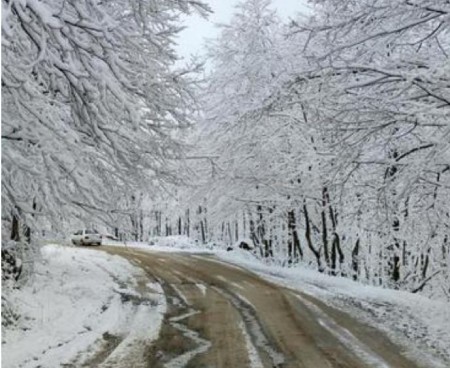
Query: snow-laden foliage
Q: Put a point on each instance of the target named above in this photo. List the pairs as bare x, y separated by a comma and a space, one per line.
90, 100
328, 142
381, 71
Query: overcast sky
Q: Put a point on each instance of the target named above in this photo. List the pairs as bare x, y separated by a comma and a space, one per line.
192, 39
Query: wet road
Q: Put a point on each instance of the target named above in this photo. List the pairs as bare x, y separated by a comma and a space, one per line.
220, 315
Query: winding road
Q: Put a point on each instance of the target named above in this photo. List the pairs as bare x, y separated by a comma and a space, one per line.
220, 315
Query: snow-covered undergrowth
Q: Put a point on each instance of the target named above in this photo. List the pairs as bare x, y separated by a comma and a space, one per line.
78, 301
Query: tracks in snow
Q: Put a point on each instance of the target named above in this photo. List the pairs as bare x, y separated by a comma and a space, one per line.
223, 316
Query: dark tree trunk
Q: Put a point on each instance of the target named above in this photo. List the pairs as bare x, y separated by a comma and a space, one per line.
336, 243
324, 227
394, 248
205, 221
141, 226
27, 231
309, 239
252, 230
202, 230
355, 260
187, 224
15, 228
395, 258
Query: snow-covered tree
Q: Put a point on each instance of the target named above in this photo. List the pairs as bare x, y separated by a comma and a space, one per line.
90, 101
247, 65
329, 142
382, 72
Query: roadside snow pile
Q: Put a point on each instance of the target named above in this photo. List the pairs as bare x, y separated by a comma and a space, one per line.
175, 243
179, 243
79, 303
411, 320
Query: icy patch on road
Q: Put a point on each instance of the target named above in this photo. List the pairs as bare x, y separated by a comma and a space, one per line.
202, 288
180, 294
75, 298
236, 285
221, 278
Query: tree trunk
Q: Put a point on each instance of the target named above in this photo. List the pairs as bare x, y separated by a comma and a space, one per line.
141, 226
262, 232
202, 230
336, 243
324, 227
252, 230
294, 247
15, 228
394, 248
355, 260
309, 240
187, 224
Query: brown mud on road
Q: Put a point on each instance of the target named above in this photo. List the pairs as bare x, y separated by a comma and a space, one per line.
223, 316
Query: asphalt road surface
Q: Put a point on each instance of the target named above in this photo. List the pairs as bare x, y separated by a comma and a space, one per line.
219, 315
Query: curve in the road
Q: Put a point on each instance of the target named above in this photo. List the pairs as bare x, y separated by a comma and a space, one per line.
286, 328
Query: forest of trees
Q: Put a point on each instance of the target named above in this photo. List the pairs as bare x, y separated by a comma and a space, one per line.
324, 140
91, 108
90, 103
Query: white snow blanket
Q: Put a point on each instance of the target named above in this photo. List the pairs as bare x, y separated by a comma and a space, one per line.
77, 300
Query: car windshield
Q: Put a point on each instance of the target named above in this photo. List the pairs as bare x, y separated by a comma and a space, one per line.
91, 232
79, 232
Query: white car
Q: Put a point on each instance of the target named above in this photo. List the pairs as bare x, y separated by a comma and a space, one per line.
87, 237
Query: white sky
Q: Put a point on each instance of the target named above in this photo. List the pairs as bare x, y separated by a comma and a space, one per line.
192, 39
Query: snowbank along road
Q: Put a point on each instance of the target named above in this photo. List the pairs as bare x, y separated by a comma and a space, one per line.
219, 315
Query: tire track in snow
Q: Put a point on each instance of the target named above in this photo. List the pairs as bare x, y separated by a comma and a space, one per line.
345, 336
202, 344
253, 356
254, 330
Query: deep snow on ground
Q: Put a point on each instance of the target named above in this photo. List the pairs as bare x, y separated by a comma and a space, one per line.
76, 297
419, 324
